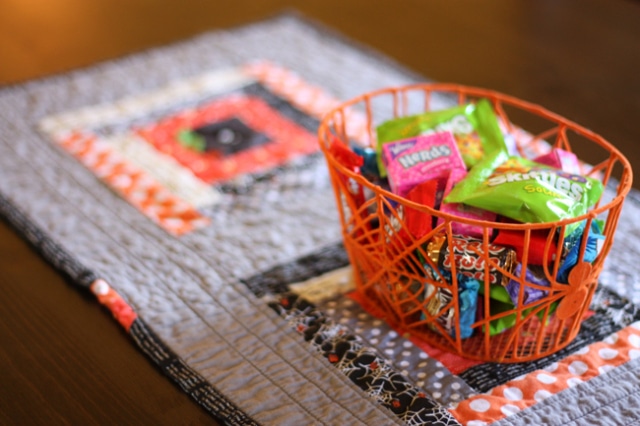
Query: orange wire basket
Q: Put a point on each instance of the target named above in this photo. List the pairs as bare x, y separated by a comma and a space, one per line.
390, 273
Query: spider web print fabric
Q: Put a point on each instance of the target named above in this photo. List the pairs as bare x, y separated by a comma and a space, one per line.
183, 187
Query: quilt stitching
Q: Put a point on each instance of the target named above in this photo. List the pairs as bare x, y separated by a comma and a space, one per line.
185, 377
523, 392
213, 328
361, 364
120, 308
125, 315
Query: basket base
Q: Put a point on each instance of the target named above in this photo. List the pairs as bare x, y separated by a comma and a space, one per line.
531, 341
510, 346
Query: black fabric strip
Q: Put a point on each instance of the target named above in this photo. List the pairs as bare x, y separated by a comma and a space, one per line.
363, 365
189, 381
277, 279
283, 106
52, 252
612, 313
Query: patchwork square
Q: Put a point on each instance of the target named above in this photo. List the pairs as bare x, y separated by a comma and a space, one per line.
228, 137
258, 138
173, 152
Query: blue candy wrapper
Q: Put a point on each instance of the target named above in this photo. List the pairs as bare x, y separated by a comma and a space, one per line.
467, 302
572, 248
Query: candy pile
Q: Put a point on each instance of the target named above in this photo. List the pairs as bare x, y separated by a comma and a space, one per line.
456, 161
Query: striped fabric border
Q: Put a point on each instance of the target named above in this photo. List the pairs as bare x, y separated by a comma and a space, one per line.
186, 378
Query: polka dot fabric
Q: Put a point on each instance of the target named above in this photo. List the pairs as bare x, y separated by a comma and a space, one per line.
527, 390
408, 358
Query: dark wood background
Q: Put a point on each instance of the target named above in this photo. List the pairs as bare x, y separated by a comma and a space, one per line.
63, 360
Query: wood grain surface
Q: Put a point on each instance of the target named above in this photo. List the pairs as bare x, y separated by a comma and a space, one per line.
63, 360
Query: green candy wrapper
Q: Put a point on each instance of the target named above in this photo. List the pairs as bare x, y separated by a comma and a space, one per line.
500, 302
474, 126
526, 191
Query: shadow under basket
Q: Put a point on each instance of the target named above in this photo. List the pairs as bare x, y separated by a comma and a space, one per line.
399, 274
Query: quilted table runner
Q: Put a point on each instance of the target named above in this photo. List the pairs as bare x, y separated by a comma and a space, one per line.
184, 188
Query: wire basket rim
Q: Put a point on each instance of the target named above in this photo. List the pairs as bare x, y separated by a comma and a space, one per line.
622, 190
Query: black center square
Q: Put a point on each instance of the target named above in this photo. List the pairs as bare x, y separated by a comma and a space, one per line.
230, 136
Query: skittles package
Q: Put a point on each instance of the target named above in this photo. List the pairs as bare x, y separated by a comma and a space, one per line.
526, 191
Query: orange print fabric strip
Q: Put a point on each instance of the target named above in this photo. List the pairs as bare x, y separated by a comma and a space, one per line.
527, 390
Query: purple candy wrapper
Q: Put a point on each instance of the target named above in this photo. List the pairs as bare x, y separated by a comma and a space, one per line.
534, 275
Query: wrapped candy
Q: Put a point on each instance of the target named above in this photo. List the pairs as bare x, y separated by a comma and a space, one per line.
474, 126
560, 159
500, 302
425, 193
538, 240
468, 258
416, 160
571, 248
534, 275
369, 167
438, 298
463, 210
526, 191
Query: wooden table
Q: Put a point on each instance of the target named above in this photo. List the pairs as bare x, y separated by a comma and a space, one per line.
63, 360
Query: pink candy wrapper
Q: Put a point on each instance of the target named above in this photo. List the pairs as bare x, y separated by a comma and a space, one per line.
412, 161
561, 159
463, 210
